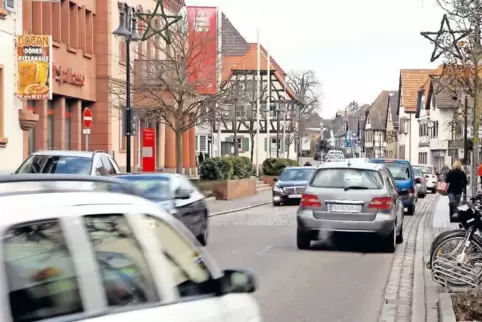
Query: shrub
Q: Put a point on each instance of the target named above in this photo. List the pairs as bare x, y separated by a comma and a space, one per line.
274, 166
216, 169
241, 167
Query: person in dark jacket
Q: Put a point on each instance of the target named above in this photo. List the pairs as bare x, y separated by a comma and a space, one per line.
307, 164
457, 183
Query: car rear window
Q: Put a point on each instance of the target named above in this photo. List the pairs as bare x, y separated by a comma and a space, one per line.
347, 178
296, 174
417, 172
425, 169
59, 164
399, 171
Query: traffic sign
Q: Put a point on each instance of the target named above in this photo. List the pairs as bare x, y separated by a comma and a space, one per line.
87, 118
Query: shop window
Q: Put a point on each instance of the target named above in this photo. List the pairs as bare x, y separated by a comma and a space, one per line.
73, 32
89, 32
65, 26
68, 126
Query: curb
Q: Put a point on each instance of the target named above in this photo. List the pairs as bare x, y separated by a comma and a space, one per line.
445, 308
239, 209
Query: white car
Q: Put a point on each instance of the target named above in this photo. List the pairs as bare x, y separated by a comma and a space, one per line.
108, 256
430, 176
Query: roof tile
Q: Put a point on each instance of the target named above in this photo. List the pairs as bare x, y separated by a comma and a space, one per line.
412, 80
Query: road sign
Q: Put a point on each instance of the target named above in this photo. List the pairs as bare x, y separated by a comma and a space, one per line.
87, 118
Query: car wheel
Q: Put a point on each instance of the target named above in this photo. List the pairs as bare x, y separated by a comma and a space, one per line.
276, 204
390, 241
303, 240
422, 195
399, 239
411, 210
203, 236
434, 190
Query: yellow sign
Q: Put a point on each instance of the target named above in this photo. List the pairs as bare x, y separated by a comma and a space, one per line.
34, 67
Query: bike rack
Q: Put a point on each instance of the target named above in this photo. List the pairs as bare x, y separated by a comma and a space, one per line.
444, 271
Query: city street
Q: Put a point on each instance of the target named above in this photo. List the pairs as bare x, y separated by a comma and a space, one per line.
323, 284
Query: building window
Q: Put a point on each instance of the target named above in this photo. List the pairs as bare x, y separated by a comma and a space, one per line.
201, 143
434, 130
89, 37
56, 22
65, 21
68, 125
422, 158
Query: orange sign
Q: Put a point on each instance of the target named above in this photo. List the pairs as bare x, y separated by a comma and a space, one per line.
34, 67
67, 76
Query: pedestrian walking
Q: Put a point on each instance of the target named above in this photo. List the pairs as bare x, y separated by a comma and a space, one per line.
457, 183
200, 158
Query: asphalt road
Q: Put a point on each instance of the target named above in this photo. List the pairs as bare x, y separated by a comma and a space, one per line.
341, 281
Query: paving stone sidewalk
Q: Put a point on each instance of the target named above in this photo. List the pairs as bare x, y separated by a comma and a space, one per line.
217, 206
410, 294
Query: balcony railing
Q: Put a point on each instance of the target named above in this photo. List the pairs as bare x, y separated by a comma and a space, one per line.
154, 72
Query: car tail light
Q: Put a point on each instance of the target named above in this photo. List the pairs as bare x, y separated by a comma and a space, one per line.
310, 201
381, 203
411, 191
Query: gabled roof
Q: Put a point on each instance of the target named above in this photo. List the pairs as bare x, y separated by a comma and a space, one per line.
378, 112
410, 82
233, 43
249, 62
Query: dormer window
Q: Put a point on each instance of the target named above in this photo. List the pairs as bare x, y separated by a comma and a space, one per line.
368, 120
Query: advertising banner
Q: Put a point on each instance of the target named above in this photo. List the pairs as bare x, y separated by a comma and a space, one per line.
148, 152
202, 42
34, 67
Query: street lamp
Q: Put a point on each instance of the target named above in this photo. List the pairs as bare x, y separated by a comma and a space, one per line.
127, 29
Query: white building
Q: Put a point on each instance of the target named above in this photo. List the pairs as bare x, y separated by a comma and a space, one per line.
411, 81
12, 138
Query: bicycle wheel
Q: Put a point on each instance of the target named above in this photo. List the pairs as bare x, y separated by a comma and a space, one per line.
436, 241
448, 249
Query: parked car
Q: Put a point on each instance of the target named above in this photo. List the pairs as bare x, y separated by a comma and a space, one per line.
291, 184
104, 256
430, 175
401, 171
350, 197
178, 196
420, 183
334, 155
97, 163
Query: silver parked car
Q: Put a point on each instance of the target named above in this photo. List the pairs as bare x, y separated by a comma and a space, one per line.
420, 182
350, 197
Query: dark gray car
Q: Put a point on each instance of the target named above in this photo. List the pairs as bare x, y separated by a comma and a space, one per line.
350, 197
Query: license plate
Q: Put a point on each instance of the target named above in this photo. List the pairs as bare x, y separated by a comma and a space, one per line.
345, 208
294, 196
405, 209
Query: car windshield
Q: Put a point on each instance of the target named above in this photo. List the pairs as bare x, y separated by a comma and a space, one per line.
399, 171
296, 174
155, 188
59, 164
425, 169
347, 178
417, 172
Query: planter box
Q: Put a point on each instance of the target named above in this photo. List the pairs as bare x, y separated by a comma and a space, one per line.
269, 180
234, 189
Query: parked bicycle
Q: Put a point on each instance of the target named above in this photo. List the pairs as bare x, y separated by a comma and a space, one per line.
456, 255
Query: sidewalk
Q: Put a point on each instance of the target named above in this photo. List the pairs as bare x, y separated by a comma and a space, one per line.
218, 207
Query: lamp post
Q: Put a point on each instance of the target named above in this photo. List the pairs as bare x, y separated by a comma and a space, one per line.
127, 29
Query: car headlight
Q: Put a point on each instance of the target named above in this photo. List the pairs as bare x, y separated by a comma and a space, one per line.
277, 189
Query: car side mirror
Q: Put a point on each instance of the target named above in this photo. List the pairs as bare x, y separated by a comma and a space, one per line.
238, 281
417, 180
275, 179
182, 194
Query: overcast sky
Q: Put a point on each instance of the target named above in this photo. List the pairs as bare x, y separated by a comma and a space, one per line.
355, 47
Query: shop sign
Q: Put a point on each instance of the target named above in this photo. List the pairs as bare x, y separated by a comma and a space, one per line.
68, 76
34, 67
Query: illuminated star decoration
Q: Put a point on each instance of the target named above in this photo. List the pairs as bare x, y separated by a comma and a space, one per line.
164, 31
436, 80
445, 39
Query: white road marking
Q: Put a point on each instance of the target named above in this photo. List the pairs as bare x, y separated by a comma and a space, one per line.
267, 248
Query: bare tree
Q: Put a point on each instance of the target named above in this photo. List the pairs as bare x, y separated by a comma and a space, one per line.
167, 84
307, 89
353, 107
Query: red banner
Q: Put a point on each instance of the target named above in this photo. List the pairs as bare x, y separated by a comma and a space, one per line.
202, 42
148, 150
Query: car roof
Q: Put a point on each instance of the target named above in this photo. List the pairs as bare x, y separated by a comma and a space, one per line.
147, 175
84, 154
347, 164
304, 167
389, 160
422, 165
41, 205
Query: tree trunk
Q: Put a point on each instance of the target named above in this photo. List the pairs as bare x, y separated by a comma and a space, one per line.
179, 132
252, 149
235, 136
288, 148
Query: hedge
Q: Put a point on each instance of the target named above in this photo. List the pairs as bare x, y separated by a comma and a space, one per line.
225, 168
274, 166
